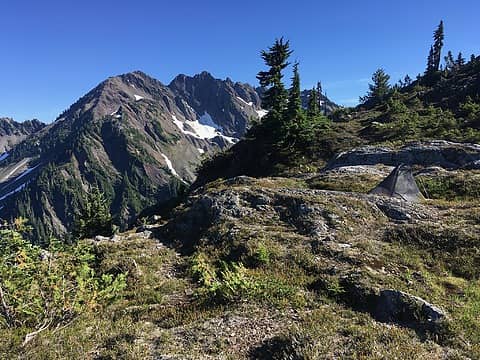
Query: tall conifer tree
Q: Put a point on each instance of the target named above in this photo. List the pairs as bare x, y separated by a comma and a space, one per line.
438, 38
294, 109
274, 98
313, 109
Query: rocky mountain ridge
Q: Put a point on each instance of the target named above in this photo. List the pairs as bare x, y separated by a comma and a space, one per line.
13, 132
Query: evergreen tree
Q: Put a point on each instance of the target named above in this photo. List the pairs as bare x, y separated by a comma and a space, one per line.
434, 56
313, 109
430, 61
472, 58
438, 38
320, 93
95, 217
460, 60
294, 108
380, 89
449, 61
274, 99
295, 122
407, 81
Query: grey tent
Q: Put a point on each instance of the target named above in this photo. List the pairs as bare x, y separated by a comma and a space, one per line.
400, 183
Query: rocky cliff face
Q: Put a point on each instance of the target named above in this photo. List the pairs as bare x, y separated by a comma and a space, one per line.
234, 103
12, 132
134, 137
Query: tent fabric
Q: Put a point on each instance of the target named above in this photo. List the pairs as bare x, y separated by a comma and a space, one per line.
400, 184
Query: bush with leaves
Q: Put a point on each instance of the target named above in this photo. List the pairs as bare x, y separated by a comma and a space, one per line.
46, 288
223, 284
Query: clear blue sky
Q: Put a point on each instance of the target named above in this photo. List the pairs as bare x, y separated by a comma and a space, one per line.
54, 51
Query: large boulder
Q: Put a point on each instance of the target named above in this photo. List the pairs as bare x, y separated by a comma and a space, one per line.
412, 311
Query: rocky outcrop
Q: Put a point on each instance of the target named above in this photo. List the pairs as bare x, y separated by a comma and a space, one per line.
409, 310
391, 306
448, 155
313, 213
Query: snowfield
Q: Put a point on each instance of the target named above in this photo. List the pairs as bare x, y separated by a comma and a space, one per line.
203, 128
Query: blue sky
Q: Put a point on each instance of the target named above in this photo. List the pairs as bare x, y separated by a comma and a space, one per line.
53, 52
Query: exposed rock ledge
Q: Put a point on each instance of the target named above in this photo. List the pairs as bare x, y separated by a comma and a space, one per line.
448, 155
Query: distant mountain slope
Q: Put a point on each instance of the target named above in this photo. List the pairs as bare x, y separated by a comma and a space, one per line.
234, 103
134, 137
326, 105
12, 132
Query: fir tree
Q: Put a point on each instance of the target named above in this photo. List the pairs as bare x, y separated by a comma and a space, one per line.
407, 81
274, 99
294, 108
434, 56
380, 89
438, 38
95, 217
313, 109
460, 60
449, 61
430, 61
320, 95
472, 58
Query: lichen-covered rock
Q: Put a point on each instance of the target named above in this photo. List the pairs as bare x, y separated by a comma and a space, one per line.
409, 310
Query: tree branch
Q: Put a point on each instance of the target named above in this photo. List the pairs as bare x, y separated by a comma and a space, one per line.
29, 337
5, 309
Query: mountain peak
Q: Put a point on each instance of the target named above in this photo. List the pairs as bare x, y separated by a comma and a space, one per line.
205, 74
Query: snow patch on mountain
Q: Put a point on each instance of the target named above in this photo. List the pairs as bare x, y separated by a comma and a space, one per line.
4, 156
138, 97
261, 113
26, 172
15, 168
19, 188
247, 103
170, 165
203, 128
115, 114
230, 139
